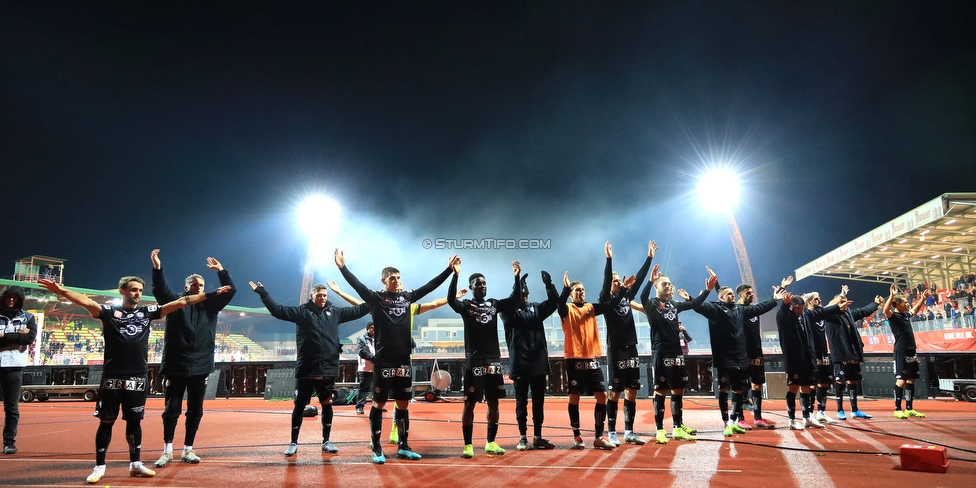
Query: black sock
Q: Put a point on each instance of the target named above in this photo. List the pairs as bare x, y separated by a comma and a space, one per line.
899, 394
492, 431
599, 415
677, 407
659, 411
723, 405
574, 419
756, 404
326, 422
791, 405
376, 428
612, 415
737, 406
468, 432
909, 396
852, 393
839, 394
103, 437
133, 435
821, 398
806, 404
630, 411
402, 419
296, 422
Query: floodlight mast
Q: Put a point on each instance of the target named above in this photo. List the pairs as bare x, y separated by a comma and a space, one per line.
721, 184
741, 257
309, 274
310, 213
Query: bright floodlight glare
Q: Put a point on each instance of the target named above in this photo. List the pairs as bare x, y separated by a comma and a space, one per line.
718, 188
315, 211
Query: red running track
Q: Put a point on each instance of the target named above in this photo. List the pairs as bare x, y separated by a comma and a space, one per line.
241, 442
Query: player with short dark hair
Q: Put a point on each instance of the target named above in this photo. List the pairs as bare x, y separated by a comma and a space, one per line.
670, 373
415, 309
726, 330
392, 320
125, 328
482, 357
623, 361
825, 369
757, 366
582, 353
317, 366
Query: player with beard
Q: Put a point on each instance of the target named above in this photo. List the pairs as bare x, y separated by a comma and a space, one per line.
896, 309
795, 325
317, 366
757, 368
623, 362
392, 375
825, 370
726, 328
582, 353
846, 351
669, 361
528, 353
126, 331
483, 365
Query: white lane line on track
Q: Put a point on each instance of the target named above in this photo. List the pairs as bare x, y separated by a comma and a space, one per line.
695, 463
806, 469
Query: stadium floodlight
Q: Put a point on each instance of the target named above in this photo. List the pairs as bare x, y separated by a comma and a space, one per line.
316, 210
718, 188
318, 218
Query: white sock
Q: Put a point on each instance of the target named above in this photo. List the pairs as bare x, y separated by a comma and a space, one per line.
135, 464
99, 469
628, 432
168, 447
187, 448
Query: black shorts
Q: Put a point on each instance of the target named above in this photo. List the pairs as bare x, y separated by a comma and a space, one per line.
585, 377
906, 365
483, 379
125, 393
624, 369
825, 371
757, 371
734, 379
392, 380
801, 378
670, 372
847, 371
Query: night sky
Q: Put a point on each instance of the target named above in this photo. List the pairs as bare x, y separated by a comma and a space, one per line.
198, 129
